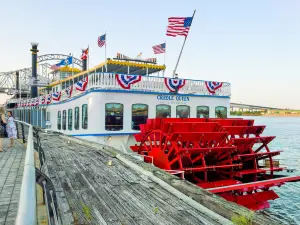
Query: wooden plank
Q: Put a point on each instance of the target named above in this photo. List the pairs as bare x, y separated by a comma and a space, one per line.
96, 193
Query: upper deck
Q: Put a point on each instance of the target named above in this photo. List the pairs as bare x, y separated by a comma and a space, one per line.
137, 79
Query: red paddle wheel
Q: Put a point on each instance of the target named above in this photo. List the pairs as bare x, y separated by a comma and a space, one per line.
224, 156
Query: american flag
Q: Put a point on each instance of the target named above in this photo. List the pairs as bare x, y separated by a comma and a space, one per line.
54, 67
101, 40
179, 26
159, 48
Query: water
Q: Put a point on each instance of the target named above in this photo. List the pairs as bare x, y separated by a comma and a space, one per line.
287, 132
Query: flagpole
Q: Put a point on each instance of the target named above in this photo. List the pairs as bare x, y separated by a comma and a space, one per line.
174, 72
105, 53
88, 60
165, 57
72, 69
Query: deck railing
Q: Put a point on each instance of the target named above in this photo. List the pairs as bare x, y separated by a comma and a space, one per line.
155, 84
108, 81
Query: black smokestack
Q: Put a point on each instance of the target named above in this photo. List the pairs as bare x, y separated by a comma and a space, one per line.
34, 52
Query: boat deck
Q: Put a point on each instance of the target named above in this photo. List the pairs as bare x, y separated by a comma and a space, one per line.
90, 191
11, 173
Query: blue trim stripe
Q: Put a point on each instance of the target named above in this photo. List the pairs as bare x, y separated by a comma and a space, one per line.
134, 92
103, 134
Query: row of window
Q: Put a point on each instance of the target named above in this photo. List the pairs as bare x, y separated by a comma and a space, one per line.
114, 115
36, 117
62, 123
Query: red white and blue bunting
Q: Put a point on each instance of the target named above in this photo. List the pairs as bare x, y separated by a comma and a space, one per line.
49, 99
56, 96
174, 84
37, 101
125, 81
213, 86
81, 85
69, 91
43, 100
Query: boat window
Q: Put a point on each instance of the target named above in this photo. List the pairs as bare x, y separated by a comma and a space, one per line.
59, 120
76, 119
163, 111
29, 116
85, 116
182, 111
139, 115
48, 116
202, 112
64, 120
113, 116
221, 112
70, 119
43, 117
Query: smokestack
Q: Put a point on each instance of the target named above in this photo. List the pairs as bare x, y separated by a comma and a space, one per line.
34, 52
84, 62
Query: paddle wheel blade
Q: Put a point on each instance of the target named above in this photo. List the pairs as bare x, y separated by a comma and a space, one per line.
228, 157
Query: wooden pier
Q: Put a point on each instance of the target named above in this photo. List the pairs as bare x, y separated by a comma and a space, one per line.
91, 190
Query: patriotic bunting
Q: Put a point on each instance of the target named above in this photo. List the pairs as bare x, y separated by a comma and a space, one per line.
174, 84
43, 100
213, 86
37, 101
49, 98
81, 85
69, 91
125, 81
56, 96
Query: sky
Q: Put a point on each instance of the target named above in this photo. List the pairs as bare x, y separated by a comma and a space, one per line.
254, 45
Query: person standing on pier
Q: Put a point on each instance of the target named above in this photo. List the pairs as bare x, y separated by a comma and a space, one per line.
10, 128
2, 131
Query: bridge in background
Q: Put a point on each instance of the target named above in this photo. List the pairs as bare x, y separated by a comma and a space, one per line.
246, 107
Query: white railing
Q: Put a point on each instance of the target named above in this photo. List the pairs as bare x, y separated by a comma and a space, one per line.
155, 84
27, 202
108, 81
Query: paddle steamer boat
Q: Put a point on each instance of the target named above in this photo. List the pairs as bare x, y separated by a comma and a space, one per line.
108, 107
180, 125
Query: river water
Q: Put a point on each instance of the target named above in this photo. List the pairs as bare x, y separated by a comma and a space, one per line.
287, 132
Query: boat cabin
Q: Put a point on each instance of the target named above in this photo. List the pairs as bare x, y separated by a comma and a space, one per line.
107, 103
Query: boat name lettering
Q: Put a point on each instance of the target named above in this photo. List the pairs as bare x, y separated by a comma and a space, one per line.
173, 98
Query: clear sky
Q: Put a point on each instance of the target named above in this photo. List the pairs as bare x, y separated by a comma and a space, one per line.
254, 45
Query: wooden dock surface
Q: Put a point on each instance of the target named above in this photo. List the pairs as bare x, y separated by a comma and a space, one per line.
11, 174
90, 191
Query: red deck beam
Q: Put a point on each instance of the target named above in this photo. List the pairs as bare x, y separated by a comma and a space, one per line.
258, 184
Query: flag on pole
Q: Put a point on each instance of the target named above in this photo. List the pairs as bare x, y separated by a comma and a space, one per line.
159, 48
63, 62
139, 56
85, 54
179, 26
101, 40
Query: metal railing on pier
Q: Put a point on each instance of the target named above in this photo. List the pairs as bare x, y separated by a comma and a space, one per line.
27, 203
27, 209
